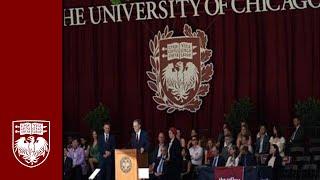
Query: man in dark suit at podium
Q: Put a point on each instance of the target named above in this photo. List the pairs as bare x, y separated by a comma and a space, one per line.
139, 138
107, 144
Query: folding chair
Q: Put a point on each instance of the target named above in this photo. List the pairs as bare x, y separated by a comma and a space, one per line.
296, 151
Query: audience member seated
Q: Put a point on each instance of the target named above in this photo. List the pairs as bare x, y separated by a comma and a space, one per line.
226, 132
297, 137
243, 123
178, 134
218, 160
208, 155
203, 142
278, 139
243, 132
157, 151
84, 145
193, 133
262, 142
94, 151
180, 138
160, 165
76, 153
69, 142
183, 143
233, 158
245, 142
196, 152
246, 157
275, 161
67, 165
186, 165
227, 144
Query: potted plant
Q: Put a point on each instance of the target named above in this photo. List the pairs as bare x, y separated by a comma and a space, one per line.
240, 111
308, 111
96, 117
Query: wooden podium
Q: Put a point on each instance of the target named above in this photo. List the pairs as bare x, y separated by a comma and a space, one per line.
127, 162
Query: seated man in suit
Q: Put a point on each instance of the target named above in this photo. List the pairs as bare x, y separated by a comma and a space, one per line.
226, 146
107, 145
246, 157
139, 138
262, 142
157, 150
159, 167
218, 160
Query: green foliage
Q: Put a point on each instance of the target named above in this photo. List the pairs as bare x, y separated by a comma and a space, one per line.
240, 111
97, 117
115, 2
308, 111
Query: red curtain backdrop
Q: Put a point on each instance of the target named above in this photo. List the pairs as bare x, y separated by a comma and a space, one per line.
271, 57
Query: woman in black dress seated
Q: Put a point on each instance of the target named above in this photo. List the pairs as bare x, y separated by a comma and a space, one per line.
186, 164
274, 160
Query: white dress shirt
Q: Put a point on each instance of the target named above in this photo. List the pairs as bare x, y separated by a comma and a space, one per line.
159, 150
271, 161
232, 161
138, 133
196, 153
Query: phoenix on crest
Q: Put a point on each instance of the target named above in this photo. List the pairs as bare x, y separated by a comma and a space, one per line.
31, 149
180, 79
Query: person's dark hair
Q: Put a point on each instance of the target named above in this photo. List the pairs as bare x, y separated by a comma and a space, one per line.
207, 143
186, 150
91, 138
76, 139
236, 150
138, 121
277, 153
263, 125
217, 148
245, 149
247, 128
107, 123
195, 137
279, 133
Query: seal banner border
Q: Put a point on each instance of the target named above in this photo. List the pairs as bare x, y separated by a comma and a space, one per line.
154, 75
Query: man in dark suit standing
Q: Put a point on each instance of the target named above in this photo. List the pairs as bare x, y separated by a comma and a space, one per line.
297, 137
218, 160
107, 144
139, 138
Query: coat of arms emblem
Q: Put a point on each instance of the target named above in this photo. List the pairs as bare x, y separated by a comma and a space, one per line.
181, 70
125, 164
31, 141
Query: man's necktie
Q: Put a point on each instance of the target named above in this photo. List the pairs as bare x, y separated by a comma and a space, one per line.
245, 160
214, 162
160, 166
107, 137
